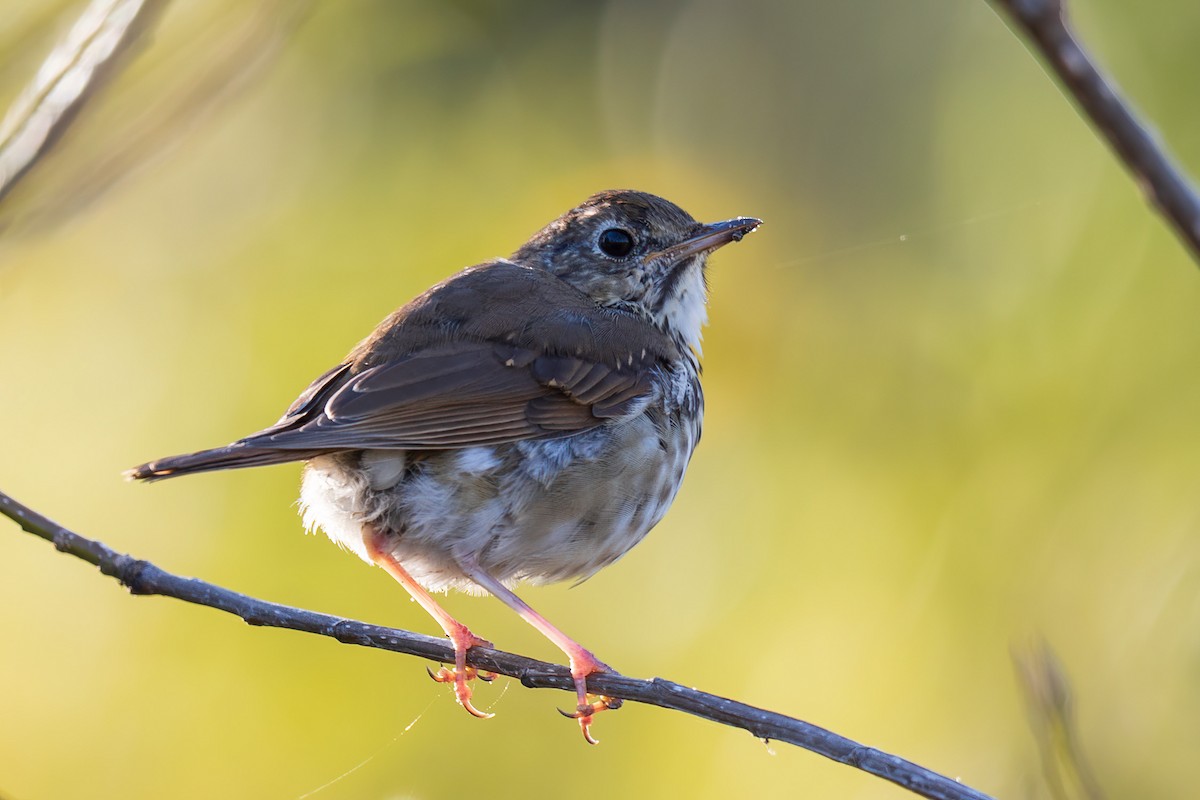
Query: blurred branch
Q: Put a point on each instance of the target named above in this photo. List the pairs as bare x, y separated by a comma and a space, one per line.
142, 577
64, 143
83, 61
1047, 692
1044, 23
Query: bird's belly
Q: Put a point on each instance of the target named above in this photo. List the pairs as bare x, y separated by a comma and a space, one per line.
542, 511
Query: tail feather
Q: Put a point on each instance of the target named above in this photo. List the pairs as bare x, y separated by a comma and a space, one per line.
234, 456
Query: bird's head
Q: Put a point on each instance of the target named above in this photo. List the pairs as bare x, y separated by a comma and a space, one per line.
636, 252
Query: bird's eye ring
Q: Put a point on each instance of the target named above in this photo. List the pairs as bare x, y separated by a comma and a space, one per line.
615, 242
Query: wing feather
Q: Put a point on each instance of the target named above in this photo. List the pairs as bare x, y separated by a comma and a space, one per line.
543, 361
451, 396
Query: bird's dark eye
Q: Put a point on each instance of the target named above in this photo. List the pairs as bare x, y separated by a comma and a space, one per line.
615, 242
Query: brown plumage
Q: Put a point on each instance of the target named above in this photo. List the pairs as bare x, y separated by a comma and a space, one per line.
529, 418
437, 374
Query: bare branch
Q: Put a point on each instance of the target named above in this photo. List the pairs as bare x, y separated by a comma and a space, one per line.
81, 63
1047, 691
142, 577
86, 121
1045, 24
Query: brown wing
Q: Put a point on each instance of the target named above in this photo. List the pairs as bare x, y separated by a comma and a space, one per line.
497, 353
456, 395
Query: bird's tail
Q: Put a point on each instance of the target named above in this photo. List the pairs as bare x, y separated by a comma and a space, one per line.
234, 456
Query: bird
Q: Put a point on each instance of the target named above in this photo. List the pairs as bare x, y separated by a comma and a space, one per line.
528, 419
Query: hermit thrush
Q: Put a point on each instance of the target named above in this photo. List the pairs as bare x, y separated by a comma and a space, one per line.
529, 418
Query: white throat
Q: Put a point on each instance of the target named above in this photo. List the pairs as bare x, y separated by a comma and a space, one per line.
687, 311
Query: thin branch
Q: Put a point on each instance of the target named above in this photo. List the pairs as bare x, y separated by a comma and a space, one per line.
142, 577
87, 57
1047, 690
1044, 22
74, 133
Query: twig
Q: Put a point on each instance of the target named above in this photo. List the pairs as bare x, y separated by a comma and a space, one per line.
1047, 691
142, 577
1168, 189
74, 134
81, 63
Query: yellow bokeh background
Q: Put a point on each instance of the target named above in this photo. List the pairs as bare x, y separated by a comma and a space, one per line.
953, 393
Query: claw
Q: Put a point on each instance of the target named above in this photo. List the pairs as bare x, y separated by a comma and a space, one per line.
584, 715
446, 674
602, 703
462, 689
465, 702
585, 725
586, 711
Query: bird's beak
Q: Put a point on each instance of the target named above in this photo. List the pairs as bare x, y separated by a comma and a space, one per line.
709, 238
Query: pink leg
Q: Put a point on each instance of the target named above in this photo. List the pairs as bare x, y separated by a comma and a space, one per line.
459, 634
583, 663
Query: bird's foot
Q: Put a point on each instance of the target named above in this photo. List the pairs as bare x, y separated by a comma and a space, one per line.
583, 664
464, 640
587, 710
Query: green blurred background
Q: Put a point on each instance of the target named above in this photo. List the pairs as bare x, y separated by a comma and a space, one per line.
952, 392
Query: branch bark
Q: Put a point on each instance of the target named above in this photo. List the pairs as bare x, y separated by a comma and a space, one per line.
143, 578
1044, 23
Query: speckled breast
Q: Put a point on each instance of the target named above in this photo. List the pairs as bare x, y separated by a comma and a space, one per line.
538, 510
